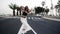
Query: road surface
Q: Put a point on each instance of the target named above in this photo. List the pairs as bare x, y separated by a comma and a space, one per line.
9, 25
44, 26
40, 25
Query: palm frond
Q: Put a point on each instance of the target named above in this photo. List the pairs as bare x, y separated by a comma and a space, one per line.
10, 7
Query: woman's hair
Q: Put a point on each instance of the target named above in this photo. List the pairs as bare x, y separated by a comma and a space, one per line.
26, 8
25, 11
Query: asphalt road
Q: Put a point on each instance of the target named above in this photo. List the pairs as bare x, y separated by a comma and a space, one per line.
44, 26
40, 25
9, 25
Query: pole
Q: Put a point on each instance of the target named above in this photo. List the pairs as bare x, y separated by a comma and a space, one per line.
51, 5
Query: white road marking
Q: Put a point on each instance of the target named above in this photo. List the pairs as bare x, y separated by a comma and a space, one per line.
32, 17
28, 17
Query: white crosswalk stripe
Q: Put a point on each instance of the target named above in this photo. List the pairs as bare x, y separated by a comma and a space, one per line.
34, 18
28, 17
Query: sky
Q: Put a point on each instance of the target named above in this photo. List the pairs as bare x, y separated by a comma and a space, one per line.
4, 8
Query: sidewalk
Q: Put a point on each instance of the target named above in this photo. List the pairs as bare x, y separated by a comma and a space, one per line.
55, 18
10, 16
7, 17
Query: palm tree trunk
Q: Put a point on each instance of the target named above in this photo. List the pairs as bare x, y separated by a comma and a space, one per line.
13, 12
17, 12
20, 12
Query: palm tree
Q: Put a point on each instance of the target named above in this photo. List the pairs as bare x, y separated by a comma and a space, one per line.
43, 3
58, 3
47, 10
13, 7
58, 6
18, 8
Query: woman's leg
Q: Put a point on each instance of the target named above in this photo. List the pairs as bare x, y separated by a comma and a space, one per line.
25, 26
22, 29
28, 27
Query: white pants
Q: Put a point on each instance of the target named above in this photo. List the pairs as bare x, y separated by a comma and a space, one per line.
25, 26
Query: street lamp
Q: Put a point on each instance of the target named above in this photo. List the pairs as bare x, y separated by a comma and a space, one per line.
43, 3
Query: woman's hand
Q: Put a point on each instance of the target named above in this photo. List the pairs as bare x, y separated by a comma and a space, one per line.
29, 11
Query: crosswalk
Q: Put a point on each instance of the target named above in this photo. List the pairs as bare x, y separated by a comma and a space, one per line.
33, 18
36, 18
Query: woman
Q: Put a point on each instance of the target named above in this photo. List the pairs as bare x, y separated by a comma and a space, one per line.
25, 26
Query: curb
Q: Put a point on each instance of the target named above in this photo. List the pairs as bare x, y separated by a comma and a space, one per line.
54, 19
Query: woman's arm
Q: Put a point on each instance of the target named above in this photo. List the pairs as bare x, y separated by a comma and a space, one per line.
29, 12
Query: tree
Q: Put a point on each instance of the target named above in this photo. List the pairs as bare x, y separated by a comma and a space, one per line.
46, 10
39, 10
13, 7
18, 8
43, 3
58, 6
58, 3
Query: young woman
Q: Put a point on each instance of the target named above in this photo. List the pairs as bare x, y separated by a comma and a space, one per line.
25, 26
